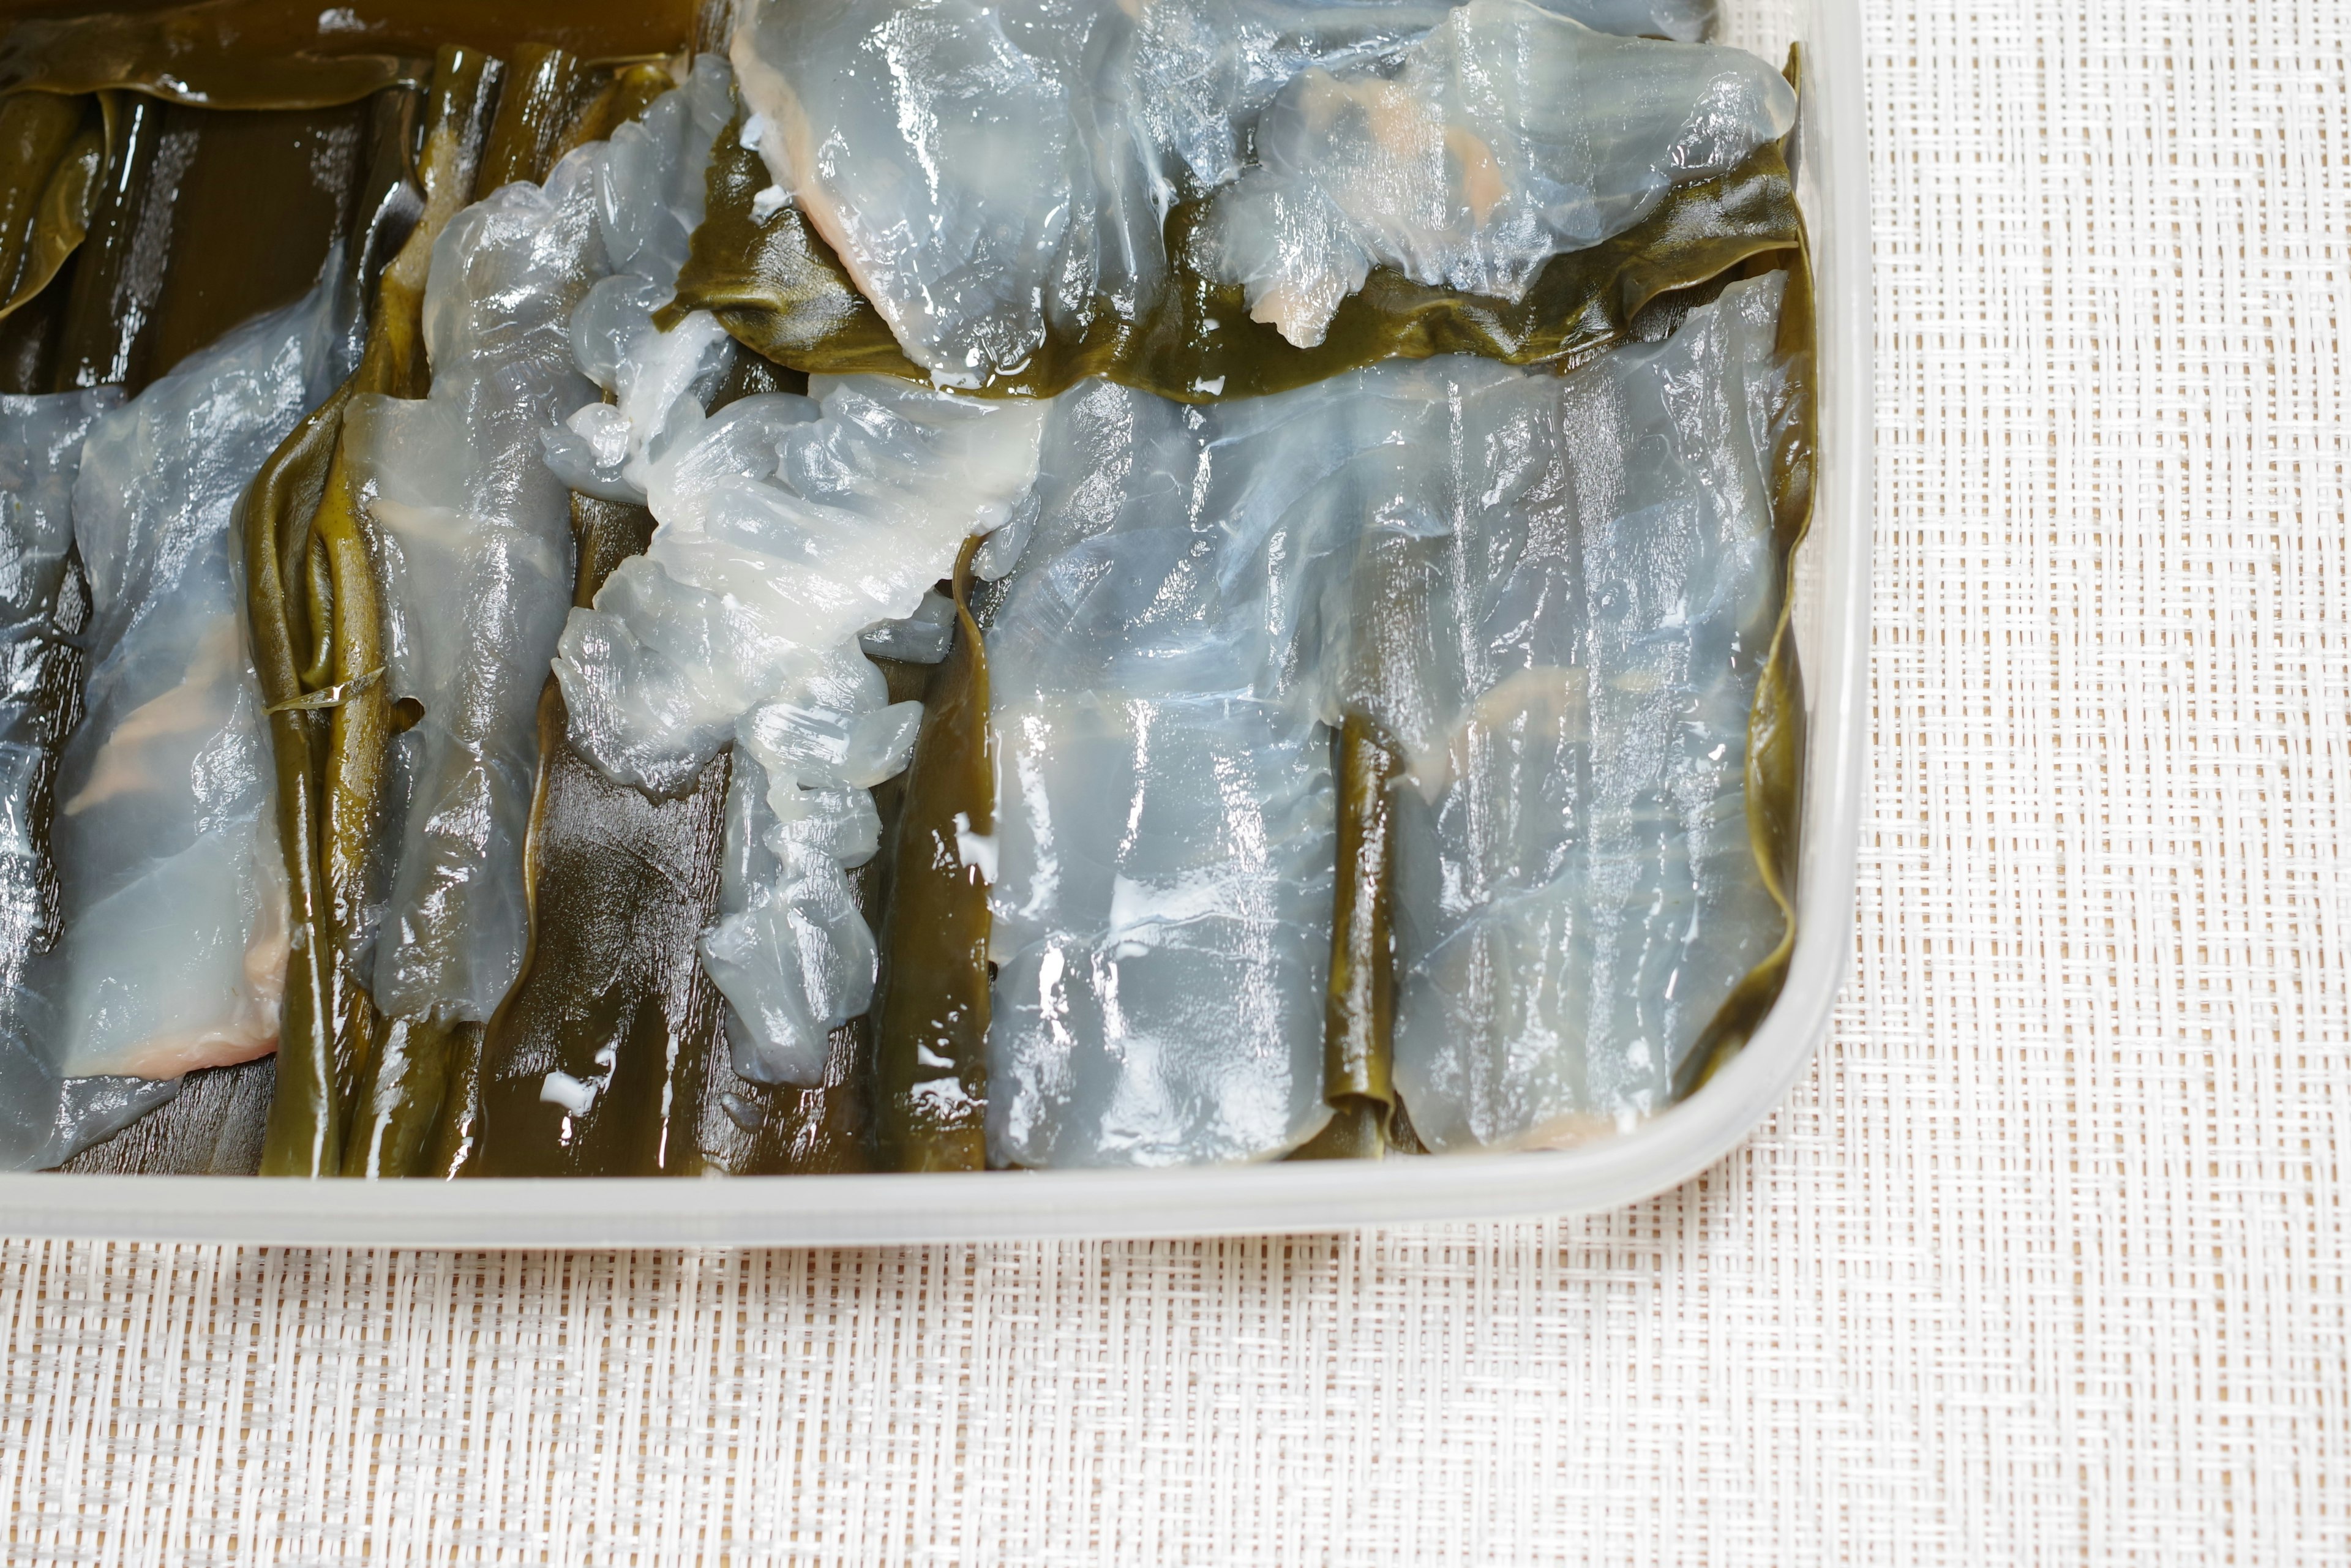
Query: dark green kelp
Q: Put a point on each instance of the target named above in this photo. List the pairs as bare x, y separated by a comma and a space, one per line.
1359, 1017
779, 289
620, 886
931, 1003
262, 54
52, 153
612, 1002
317, 628
422, 1089
1775, 735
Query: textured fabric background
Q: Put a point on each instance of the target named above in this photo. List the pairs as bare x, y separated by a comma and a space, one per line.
2044, 1263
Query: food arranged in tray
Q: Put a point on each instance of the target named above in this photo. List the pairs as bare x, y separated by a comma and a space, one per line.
851, 585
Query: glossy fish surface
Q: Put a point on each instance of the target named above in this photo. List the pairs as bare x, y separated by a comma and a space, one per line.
1506, 136
995, 178
1165, 842
41, 606
1578, 885
172, 949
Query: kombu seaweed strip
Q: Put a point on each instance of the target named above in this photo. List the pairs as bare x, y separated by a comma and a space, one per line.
553, 103
636, 879
52, 157
1360, 1027
170, 262
401, 1079
212, 1126
620, 886
617, 886
1775, 733
779, 290
423, 1099
110, 300
1387, 632
52, 151
319, 650
611, 991
1359, 1015
1775, 730
931, 1005
1387, 629
264, 54
775, 1129
762, 1129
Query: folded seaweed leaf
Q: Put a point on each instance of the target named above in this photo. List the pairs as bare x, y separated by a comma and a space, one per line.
423, 1102
29, 336
620, 886
319, 655
617, 884
623, 885
601, 1076
1359, 1017
1775, 733
52, 150
110, 302
212, 1126
553, 102
1389, 629
262, 54
775, 284
170, 263
52, 153
611, 100
931, 1003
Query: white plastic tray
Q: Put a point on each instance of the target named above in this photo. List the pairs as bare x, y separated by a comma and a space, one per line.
1831, 619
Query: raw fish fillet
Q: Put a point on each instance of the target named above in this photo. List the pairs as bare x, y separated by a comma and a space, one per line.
787, 527
172, 953
1576, 891
936, 153
1509, 135
651, 178
1166, 832
42, 1119
791, 952
472, 529
473, 542
988, 174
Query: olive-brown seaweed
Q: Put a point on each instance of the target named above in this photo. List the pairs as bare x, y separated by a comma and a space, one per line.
931, 1003
321, 662
776, 284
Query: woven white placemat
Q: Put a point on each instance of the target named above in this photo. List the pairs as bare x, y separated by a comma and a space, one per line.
2044, 1263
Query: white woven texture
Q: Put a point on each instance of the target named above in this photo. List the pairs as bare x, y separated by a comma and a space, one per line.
2044, 1263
